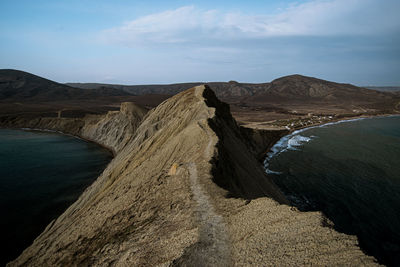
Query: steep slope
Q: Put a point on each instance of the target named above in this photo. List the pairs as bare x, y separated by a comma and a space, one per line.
112, 130
187, 190
116, 129
17, 85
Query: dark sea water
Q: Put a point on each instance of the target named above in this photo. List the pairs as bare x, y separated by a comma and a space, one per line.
41, 174
351, 172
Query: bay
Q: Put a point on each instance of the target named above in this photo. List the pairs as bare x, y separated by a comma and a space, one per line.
351, 172
41, 174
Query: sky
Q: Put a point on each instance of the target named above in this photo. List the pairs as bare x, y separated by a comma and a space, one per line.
158, 41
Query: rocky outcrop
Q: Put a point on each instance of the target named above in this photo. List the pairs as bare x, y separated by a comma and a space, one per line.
112, 130
185, 188
115, 129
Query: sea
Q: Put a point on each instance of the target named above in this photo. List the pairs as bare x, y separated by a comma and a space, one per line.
41, 174
350, 171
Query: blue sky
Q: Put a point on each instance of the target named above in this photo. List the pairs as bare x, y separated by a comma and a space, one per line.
145, 42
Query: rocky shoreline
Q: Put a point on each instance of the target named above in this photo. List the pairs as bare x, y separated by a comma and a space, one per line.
185, 187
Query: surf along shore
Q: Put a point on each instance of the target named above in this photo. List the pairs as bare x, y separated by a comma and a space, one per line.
321, 176
146, 202
276, 148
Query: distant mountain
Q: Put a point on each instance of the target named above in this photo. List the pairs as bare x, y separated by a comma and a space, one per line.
170, 89
288, 87
298, 87
294, 93
384, 88
19, 85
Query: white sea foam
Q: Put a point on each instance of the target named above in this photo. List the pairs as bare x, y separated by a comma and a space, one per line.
268, 171
294, 140
288, 142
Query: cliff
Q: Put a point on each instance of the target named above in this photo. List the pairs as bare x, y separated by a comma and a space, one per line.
113, 130
185, 188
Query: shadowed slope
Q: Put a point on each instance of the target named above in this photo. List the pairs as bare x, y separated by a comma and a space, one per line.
158, 202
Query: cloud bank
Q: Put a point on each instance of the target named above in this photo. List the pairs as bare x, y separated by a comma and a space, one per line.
189, 24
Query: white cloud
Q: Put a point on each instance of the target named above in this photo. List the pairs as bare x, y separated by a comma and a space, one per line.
313, 18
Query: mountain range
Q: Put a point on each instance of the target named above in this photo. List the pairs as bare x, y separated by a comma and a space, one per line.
289, 87
283, 98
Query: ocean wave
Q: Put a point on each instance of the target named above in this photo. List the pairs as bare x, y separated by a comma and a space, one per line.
268, 171
294, 140
288, 142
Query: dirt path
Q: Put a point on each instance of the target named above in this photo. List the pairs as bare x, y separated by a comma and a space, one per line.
213, 248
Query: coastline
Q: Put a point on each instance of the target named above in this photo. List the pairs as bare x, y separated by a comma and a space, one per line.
264, 159
113, 153
62, 150
141, 200
341, 120
340, 161
271, 152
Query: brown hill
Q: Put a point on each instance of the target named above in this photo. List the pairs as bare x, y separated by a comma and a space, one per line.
290, 87
302, 87
185, 189
222, 89
286, 101
17, 85
170, 89
385, 88
25, 93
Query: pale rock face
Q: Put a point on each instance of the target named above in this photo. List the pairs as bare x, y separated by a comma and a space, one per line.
116, 128
185, 188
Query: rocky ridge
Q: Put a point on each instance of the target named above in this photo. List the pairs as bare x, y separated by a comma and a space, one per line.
112, 130
185, 188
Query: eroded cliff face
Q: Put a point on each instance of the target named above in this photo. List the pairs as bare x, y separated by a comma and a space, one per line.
112, 130
185, 188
